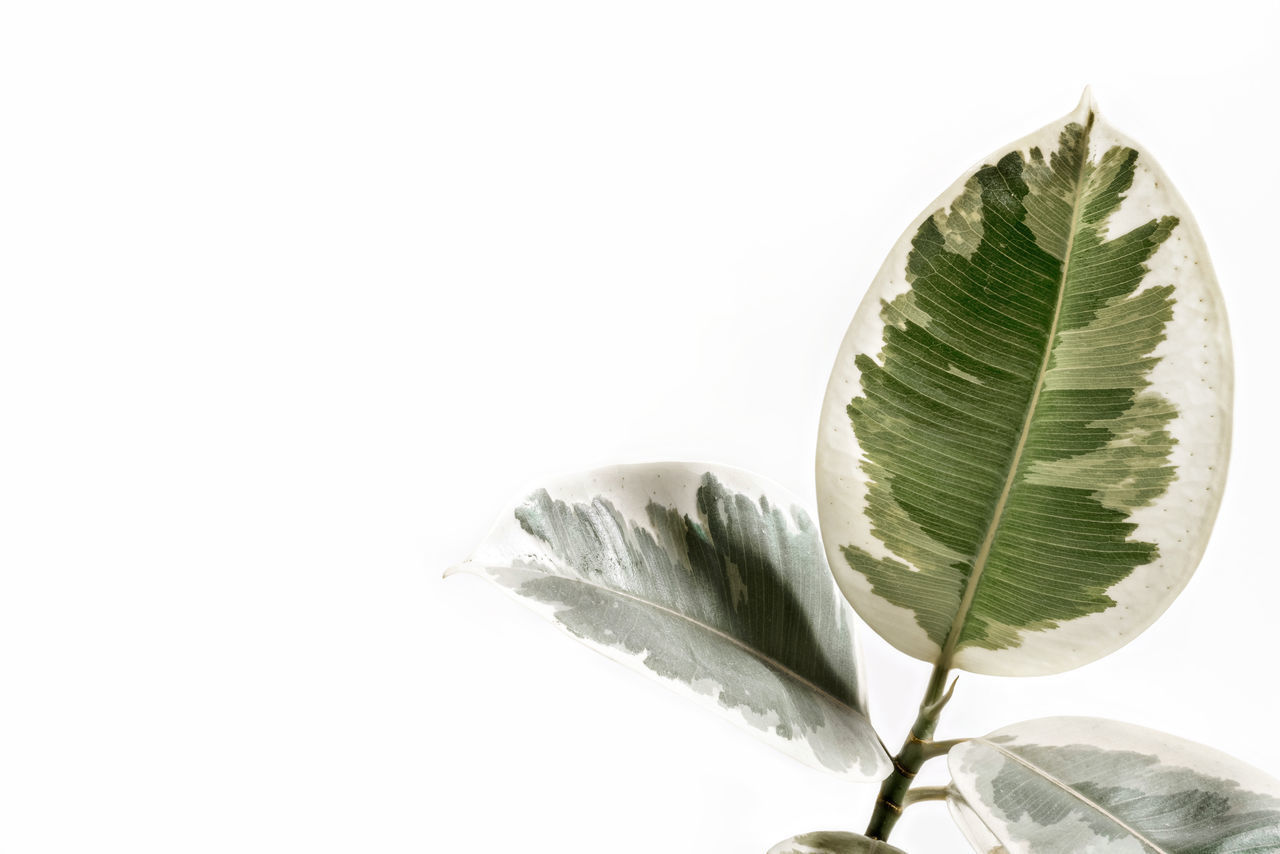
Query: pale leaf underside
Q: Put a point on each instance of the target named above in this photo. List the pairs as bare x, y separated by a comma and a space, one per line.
1070, 785
720, 590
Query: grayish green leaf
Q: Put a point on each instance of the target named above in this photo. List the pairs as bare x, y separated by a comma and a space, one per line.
832, 842
712, 580
1026, 432
1073, 785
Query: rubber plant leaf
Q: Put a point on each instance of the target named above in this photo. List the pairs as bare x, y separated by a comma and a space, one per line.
833, 842
1067, 785
708, 578
1025, 436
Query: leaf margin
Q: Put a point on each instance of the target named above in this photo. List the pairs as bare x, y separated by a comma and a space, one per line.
1169, 754
871, 765
842, 485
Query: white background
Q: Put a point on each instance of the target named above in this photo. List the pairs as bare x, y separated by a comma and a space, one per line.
297, 297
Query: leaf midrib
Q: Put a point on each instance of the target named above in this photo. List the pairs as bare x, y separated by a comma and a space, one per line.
997, 514
1101, 810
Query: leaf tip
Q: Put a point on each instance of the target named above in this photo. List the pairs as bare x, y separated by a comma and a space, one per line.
1088, 106
458, 568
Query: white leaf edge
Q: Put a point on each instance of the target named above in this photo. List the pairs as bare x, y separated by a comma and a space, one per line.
1180, 522
964, 801
874, 762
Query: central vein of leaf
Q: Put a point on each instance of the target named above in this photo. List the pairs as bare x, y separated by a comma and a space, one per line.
997, 514
1078, 795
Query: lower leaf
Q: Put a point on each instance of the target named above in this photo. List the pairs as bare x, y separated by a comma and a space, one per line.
712, 580
832, 842
1071, 785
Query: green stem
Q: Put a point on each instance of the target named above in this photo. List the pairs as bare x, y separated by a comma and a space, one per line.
915, 750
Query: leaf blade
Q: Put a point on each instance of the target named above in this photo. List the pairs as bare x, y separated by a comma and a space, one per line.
973, 828
1015, 408
832, 842
1061, 785
707, 578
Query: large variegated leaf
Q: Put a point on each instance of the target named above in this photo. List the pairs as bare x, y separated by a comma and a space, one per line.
978, 834
833, 842
709, 578
1025, 435
1089, 786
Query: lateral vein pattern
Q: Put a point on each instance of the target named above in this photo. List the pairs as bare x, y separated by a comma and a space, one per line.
1008, 426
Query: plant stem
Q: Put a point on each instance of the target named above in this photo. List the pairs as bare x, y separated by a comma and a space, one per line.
921, 794
915, 750
941, 748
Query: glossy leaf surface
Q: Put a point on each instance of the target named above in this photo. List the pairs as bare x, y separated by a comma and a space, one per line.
709, 578
1076, 785
1025, 435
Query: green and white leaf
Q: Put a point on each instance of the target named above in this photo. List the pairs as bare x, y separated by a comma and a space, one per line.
709, 578
833, 842
978, 834
1091, 786
1025, 436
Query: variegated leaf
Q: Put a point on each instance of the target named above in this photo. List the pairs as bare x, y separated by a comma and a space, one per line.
1090, 786
978, 834
1025, 436
832, 842
709, 578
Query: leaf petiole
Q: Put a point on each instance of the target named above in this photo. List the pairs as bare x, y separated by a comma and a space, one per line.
924, 793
